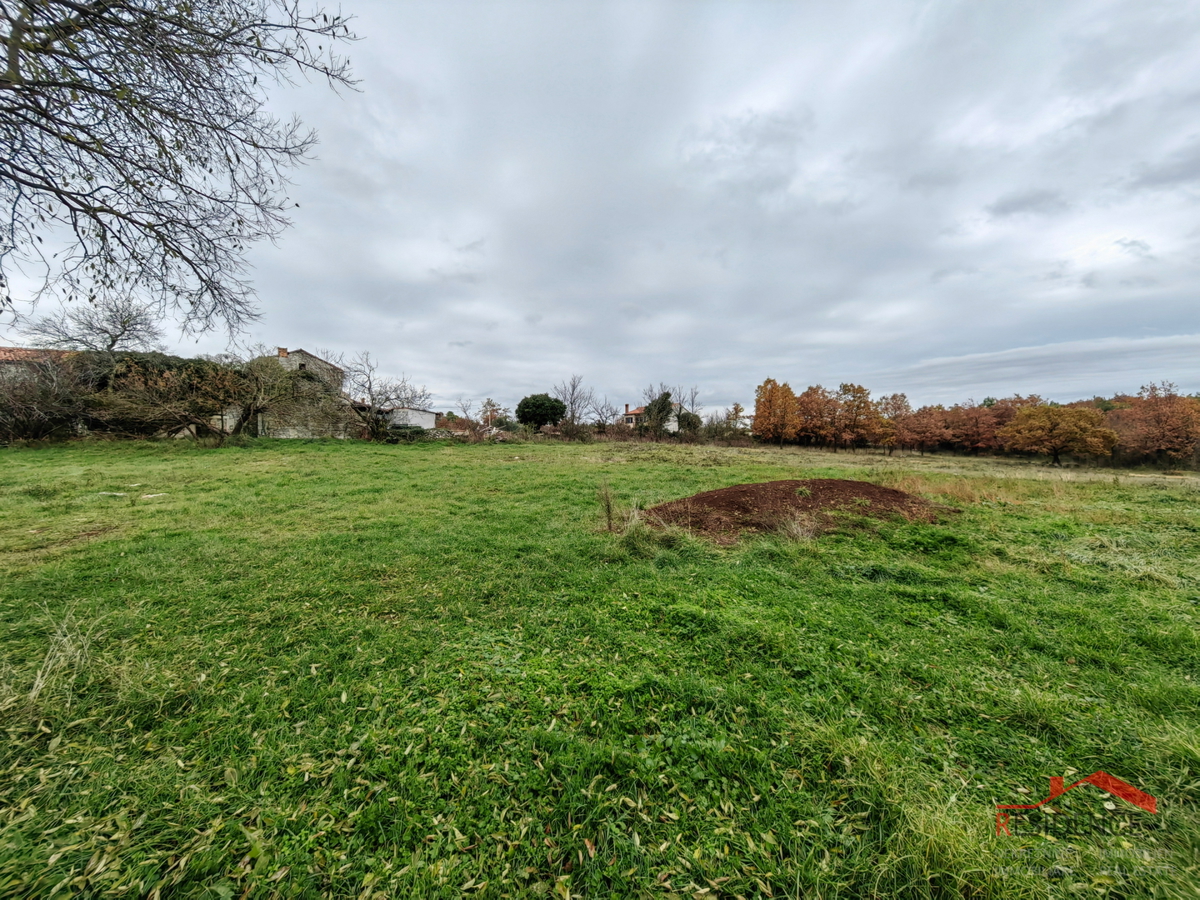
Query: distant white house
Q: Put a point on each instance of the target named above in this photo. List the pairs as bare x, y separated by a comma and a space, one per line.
635, 417
408, 416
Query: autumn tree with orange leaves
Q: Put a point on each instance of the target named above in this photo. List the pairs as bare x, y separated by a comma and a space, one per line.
857, 420
1158, 423
926, 429
1164, 424
775, 416
1055, 430
893, 409
972, 426
816, 413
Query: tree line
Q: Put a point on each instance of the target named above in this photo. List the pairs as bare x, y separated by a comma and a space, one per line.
573, 411
104, 370
1157, 423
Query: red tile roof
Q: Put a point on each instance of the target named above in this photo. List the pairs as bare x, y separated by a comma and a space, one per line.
29, 354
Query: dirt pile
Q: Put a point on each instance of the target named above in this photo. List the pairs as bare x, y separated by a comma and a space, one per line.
775, 505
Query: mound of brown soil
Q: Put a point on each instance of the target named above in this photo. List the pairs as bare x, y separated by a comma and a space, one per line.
724, 514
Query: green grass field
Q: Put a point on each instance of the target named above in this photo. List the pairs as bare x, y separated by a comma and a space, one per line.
351, 670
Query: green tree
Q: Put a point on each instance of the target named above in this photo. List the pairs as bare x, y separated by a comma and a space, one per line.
537, 410
689, 422
658, 413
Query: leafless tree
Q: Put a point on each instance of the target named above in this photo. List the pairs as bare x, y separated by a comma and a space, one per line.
650, 393
728, 424
374, 395
476, 429
603, 412
136, 153
106, 325
39, 398
577, 398
688, 399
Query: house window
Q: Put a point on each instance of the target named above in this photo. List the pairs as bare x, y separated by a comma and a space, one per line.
303, 366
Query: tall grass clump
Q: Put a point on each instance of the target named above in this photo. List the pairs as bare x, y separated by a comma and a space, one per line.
67, 657
608, 506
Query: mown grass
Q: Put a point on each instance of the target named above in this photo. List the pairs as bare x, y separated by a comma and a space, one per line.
366, 671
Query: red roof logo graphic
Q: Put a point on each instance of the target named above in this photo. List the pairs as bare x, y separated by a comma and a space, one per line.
1108, 783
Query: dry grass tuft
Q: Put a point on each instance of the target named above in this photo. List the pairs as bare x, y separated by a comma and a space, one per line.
67, 657
799, 528
608, 505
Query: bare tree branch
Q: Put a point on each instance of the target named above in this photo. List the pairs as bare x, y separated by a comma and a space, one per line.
39, 398
136, 155
374, 396
603, 412
108, 325
577, 398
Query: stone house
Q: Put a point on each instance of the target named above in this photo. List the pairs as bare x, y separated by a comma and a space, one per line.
303, 361
322, 410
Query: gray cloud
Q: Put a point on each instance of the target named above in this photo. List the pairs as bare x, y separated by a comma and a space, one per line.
1036, 202
718, 193
1062, 371
1133, 247
1179, 168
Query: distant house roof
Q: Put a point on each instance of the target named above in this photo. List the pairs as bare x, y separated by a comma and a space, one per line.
361, 403
284, 353
641, 410
29, 354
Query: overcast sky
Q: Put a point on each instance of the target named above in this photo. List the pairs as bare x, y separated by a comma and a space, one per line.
952, 199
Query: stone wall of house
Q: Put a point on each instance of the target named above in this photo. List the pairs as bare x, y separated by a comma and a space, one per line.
302, 360
342, 429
